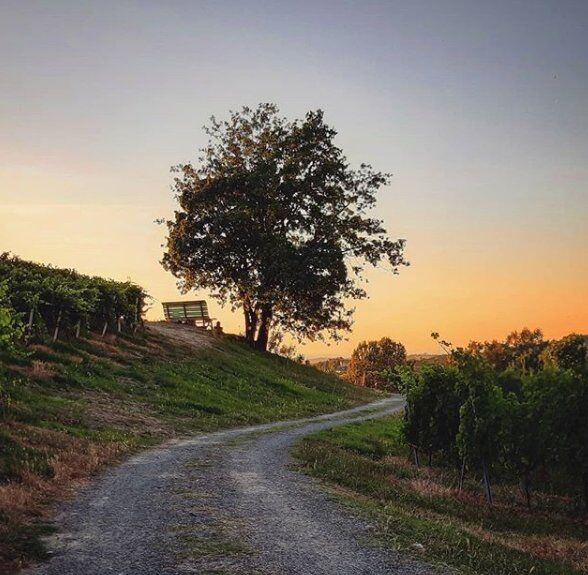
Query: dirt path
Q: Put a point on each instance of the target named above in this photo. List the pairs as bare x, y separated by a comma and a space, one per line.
185, 334
225, 502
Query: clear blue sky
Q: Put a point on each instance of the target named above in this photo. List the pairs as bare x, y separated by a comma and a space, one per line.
479, 109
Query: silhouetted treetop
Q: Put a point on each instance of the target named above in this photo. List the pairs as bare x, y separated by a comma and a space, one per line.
274, 220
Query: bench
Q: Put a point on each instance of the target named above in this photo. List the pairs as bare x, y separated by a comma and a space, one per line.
190, 312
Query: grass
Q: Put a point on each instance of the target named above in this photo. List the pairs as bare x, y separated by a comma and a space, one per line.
67, 410
409, 506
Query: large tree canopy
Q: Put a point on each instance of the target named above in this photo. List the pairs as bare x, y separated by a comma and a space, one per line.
273, 220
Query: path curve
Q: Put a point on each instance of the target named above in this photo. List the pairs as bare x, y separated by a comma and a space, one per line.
223, 502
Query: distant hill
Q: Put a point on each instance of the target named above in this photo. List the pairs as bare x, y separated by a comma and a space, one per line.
420, 359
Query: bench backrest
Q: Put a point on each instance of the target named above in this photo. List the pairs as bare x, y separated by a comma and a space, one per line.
174, 310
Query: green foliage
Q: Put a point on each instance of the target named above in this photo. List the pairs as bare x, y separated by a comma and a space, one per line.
570, 352
433, 404
479, 438
520, 350
372, 363
11, 329
514, 422
63, 298
273, 221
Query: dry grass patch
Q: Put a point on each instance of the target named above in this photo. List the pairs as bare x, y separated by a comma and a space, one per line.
102, 411
555, 548
70, 461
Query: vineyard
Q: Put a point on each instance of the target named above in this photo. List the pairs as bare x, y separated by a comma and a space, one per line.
40, 302
496, 412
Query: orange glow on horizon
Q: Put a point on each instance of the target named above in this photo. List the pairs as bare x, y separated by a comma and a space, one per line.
464, 295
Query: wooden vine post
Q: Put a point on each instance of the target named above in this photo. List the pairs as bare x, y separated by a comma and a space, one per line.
485, 473
462, 474
487, 487
56, 332
415, 452
29, 330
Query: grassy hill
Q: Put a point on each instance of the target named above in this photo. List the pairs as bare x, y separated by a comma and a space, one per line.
68, 410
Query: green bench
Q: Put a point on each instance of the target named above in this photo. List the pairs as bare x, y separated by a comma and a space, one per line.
190, 312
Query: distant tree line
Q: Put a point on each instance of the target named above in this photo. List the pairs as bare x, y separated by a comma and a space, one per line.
515, 409
333, 365
39, 302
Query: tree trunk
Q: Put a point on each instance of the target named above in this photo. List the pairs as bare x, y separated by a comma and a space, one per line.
264, 325
250, 323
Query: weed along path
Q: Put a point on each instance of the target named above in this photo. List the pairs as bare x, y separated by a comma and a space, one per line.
224, 502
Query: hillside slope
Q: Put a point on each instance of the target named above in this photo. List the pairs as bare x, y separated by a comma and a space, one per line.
68, 410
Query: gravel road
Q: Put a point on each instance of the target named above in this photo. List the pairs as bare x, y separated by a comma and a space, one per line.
224, 502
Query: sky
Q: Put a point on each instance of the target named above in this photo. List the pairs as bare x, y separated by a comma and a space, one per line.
478, 109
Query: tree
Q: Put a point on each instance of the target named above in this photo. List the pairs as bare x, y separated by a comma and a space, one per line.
520, 350
273, 221
372, 359
526, 347
569, 352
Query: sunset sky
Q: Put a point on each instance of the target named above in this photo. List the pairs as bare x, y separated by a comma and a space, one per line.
479, 109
